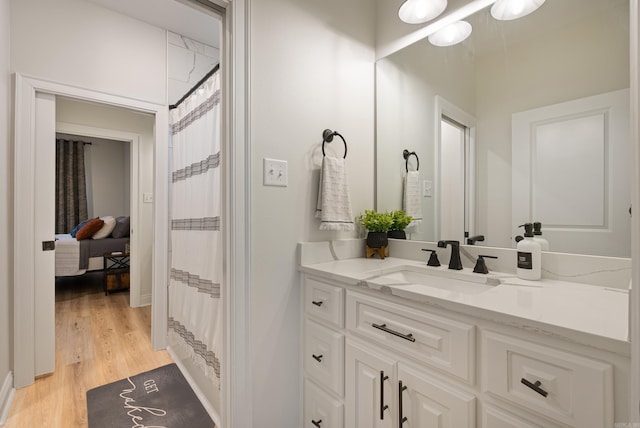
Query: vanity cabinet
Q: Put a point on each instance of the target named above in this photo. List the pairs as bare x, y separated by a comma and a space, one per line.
372, 360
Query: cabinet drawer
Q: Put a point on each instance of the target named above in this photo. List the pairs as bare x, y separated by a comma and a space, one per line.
569, 388
323, 357
439, 342
495, 417
321, 410
324, 301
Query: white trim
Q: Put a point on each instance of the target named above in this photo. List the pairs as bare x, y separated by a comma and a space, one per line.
447, 108
237, 373
634, 295
194, 386
134, 150
6, 397
24, 248
145, 300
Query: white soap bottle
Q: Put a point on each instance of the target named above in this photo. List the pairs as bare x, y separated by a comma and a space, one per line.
529, 257
537, 236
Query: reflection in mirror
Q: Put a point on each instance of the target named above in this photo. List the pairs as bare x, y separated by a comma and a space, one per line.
515, 89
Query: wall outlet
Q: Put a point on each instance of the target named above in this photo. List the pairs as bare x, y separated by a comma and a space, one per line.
276, 172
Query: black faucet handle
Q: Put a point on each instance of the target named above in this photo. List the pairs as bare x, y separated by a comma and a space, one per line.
433, 258
481, 266
474, 239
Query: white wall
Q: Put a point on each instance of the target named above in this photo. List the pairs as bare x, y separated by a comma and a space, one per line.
106, 162
598, 63
119, 119
312, 67
80, 43
188, 62
6, 192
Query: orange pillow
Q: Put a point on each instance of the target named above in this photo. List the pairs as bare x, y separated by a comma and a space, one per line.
89, 229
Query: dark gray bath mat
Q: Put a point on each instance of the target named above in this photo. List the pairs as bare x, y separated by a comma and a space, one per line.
160, 397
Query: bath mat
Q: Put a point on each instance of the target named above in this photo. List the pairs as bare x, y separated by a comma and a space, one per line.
160, 398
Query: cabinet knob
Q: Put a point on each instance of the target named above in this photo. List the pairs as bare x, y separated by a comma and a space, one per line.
317, 423
318, 358
317, 302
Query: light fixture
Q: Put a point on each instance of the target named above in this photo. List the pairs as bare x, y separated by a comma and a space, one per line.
506, 10
452, 34
419, 11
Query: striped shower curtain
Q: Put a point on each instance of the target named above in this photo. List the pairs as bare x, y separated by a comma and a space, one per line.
196, 240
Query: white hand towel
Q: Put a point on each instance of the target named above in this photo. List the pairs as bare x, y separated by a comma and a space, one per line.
334, 204
411, 202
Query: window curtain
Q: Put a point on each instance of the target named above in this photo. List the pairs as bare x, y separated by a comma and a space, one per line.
71, 185
195, 238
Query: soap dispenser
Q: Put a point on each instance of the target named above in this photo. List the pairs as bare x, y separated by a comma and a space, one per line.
537, 236
529, 257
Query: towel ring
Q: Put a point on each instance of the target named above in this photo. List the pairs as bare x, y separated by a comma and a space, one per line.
327, 137
405, 154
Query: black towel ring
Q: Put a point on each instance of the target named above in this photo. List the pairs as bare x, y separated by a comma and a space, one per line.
405, 154
327, 137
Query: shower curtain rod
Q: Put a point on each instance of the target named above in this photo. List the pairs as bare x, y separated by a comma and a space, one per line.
195, 87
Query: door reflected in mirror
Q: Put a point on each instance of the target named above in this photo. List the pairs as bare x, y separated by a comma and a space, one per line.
566, 51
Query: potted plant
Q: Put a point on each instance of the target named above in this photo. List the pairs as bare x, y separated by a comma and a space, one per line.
377, 225
400, 221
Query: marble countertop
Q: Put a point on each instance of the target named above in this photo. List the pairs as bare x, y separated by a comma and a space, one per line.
599, 314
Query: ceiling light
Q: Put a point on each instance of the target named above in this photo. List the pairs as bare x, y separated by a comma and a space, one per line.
505, 10
419, 11
452, 34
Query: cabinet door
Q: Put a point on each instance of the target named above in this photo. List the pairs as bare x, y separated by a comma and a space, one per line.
370, 389
428, 402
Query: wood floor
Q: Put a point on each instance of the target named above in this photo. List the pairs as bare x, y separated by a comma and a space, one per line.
99, 339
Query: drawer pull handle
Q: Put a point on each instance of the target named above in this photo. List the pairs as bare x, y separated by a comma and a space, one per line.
383, 406
401, 419
384, 328
317, 302
317, 423
318, 358
535, 386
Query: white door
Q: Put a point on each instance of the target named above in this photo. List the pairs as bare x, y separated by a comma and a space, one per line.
44, 230
570, 171
452, 180
428, 402
370, 388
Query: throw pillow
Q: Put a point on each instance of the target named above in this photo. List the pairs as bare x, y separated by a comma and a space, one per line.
77, 228
122, 227
89, 229
106, 229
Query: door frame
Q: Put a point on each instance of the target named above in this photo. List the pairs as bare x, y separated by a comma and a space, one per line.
443, 107
135, 298
24, 242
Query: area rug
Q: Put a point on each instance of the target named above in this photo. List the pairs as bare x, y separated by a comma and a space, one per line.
157, 398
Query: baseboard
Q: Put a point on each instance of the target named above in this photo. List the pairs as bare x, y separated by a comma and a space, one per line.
6, 397
145, 299
203, 399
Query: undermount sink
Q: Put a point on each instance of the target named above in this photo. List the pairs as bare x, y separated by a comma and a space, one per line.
463, 281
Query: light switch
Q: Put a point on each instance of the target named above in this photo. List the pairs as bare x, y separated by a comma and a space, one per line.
427, 188
147, 198
276, 172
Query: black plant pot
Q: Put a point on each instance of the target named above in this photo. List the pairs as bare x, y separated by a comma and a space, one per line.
397, 234
377, 239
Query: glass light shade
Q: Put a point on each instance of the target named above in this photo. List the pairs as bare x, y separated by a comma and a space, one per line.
452, 34
419, 11
506, 10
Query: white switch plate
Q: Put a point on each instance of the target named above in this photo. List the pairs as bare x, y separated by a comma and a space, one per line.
147, 198
276, 172
427, 188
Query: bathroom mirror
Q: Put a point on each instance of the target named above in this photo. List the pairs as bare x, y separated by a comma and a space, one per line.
520, 89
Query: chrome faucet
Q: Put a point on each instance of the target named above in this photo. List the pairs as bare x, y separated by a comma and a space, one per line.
454, 261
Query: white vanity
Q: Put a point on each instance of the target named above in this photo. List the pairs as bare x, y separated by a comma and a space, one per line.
395, 343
